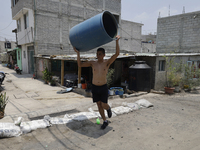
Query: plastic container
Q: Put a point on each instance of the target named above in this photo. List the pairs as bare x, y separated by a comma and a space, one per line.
79, 85
111, 92
84, 85
94, 32
118, 90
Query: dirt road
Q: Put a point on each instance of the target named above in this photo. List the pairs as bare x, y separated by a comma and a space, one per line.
173, 123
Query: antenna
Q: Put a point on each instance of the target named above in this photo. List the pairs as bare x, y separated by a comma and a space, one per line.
169, 10
159, 15
183, 9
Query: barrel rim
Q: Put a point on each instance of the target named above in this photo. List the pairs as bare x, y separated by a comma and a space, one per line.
114, 20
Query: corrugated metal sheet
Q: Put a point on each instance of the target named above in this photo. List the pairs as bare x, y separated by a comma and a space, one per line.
84, 57
166, 54
89, 57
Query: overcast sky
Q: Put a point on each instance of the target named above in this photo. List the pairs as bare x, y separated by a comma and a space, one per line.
144, 11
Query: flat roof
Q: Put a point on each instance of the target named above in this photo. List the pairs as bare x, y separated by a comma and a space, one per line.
84, 57
89, 57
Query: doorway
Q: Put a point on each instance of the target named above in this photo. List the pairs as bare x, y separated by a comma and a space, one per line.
31, 59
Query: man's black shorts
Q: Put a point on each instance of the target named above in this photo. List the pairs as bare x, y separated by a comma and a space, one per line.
100, 93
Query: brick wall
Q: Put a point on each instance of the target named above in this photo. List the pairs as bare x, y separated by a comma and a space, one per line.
130, 36
180, 33
54, 20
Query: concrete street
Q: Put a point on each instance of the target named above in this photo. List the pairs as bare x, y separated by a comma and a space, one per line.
173, 122
31, 98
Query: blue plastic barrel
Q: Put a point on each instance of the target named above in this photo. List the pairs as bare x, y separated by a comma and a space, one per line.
94, 32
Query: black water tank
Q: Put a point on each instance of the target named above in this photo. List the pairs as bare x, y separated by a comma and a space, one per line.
140, 77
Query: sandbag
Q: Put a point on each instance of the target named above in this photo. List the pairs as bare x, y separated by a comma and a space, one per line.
121, 110
144, 103
56, 120
105, 112
33, 125
133, 106
83, 116
9, 130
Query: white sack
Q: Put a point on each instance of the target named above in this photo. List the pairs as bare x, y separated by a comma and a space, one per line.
83, 116
9, 130
144, 103
133, 106
105, 112
18, 121
121, 110
33, 125
56, 120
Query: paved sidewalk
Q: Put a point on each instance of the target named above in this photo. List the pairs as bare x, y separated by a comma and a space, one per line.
30, 98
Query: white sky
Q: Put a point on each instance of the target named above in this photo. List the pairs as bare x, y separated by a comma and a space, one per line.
144, 11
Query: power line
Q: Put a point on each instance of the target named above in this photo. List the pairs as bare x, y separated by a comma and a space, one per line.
7, 34
120, 28
7, 26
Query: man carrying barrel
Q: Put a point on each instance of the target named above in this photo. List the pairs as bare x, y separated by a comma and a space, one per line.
99, 81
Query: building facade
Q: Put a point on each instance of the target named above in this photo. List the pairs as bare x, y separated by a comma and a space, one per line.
179, 33
179, 37
43, 28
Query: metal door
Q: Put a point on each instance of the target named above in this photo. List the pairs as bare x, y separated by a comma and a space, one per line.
31, 59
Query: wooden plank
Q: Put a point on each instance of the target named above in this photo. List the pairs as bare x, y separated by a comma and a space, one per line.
62, 72
79, 74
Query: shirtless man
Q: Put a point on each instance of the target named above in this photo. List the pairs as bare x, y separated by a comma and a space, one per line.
99, 81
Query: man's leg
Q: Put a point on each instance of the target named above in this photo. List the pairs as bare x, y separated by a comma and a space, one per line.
107, 107
101, 110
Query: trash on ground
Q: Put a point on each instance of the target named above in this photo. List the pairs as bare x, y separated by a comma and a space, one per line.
65, 91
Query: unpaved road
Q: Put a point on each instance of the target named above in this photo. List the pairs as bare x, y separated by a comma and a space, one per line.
173, 123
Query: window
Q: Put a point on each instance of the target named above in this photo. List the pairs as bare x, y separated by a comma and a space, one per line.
26, 25
194, 65
161, 65
18, 55
14, 2
24, 54
7, 45
18, 25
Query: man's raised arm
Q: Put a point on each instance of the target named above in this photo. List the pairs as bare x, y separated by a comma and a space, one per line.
112, 59
81, 64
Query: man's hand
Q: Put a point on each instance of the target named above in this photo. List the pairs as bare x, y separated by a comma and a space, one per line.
76, 50
117, 38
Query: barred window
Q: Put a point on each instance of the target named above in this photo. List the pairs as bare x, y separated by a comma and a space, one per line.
161, 65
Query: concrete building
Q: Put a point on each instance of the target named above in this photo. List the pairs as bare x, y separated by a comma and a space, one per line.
177, 36
179, 33
6, 45
43, 30
6, 48
148, 43
130, 36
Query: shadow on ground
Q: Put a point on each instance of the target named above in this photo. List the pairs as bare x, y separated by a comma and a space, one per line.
88, 128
